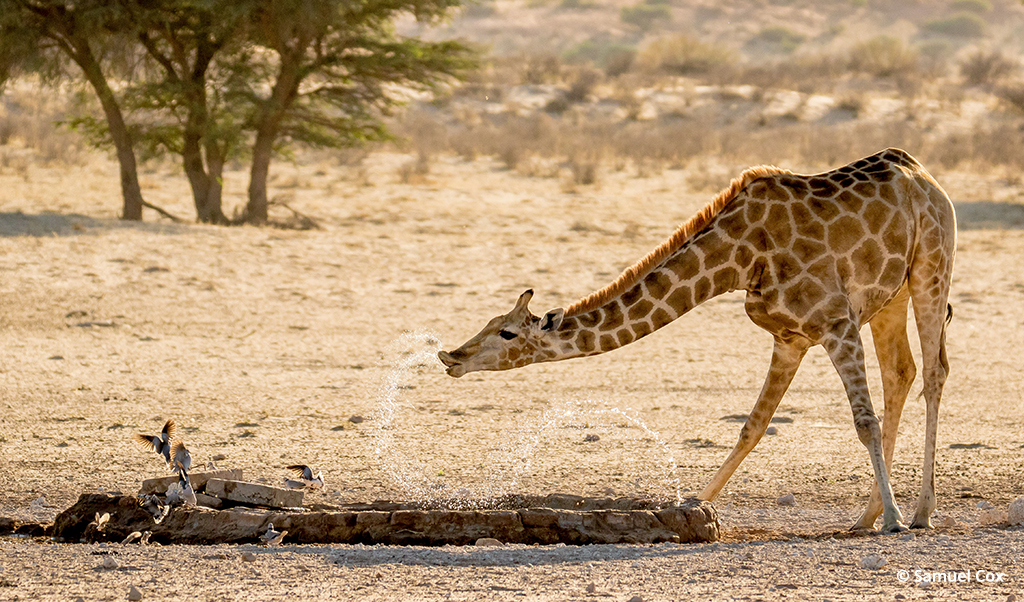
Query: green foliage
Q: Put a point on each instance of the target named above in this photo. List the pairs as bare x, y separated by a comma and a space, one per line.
962, 25
646, 16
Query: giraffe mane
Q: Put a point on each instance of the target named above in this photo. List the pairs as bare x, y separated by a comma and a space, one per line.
695, 224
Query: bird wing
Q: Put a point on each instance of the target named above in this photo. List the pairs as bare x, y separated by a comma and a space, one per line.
182, 460
170, 430
301, 470
148, 442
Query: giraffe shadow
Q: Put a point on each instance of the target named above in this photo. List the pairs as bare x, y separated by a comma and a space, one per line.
989, 215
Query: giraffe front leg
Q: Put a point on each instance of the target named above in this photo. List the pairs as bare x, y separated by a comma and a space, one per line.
846, 351
785, 360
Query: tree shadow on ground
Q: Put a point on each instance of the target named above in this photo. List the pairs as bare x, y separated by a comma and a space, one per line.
16, 223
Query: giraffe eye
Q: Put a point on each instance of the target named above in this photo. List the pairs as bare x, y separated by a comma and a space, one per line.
508, 335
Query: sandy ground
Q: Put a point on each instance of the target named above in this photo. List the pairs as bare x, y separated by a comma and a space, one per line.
262, 343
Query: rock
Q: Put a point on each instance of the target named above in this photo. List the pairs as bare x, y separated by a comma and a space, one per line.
771, 431
787, 500
993, 516
254, 494
591, 588
908, 537
488, 541
948, 522
873, 562
160, 485
943, 539
636, 599
134, 594
591, 438
355, 419
249, 557
220, 457
1015, 513
110, 563
208, 501
985, 505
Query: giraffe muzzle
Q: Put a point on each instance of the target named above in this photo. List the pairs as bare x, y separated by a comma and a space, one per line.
452, 365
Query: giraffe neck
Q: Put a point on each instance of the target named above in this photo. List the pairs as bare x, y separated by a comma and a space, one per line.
702, 268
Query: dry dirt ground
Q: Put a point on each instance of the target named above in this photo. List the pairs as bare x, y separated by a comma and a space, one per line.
262, 343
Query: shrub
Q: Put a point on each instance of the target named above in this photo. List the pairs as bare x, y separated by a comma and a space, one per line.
645, 16
962, 25
778, 38
684, 55
884, 56
978, 7
613, 57
987, 67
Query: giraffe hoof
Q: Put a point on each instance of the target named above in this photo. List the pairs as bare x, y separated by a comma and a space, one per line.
898, 527
925, 524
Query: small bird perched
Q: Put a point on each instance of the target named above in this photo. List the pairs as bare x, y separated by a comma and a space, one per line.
306, 478
188, 495
161, 443
273, 537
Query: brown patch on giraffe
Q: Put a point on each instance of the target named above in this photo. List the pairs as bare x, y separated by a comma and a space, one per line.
876, 214
726, 280
641, 309
567, 331
680, 299
760, 240
868, 257
825, 209
755, 209
682, 235
642, 329
796, 185
702, 290
801, 297
733, 225
849, 201
844, 233
657, 284
806, 224
586, 341
822, 187
590, 319
888, 193
842, 178
773, 191
897, 237
632, 295
785, 266
625, 337
613, 317
778, 225
807, 250
684, 265
894, 273
607, 342
661, 318
743, 256
716, 250
866, 189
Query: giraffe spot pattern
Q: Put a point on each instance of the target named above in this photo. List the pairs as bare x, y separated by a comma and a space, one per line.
657, 284
876, 214
681, 300
640, 309
844, 233
869, 258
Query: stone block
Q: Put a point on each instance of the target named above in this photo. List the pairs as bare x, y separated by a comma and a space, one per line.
159, 485
208, 501
254, 494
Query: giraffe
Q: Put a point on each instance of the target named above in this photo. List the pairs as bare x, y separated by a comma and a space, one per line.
819, 256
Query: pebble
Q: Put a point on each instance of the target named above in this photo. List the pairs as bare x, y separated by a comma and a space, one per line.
249, 557
771, 431
109, 562
1015, 513
219, 457
488, 541
1011, 598
591, 438
985, 505
949, 521
942, 539
355, 419
787, 500
873, 562
591, 588
636, 599
134, 594
908, 537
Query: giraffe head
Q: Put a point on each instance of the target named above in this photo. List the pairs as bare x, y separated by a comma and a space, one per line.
508, 341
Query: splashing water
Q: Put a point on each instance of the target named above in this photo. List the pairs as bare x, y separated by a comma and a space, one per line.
643, 461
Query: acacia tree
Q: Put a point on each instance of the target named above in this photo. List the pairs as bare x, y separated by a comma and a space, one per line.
36, 35
336, 68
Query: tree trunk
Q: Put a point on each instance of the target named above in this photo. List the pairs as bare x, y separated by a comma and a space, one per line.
262, 150
130, 190
213, 208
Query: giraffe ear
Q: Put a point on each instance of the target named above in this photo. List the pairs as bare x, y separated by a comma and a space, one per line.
552, 320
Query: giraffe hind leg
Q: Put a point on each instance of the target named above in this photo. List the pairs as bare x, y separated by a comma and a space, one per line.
786, 359
896, 361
